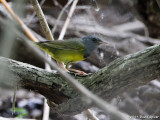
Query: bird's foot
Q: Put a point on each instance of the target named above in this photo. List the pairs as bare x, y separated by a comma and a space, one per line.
62, 66
78, 72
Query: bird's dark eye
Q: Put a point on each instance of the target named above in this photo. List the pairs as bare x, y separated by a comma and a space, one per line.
95, 40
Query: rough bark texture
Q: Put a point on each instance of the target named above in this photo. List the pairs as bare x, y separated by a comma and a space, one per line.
124, 73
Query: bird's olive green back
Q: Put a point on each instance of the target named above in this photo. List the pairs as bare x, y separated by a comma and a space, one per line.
66, 51
71, 44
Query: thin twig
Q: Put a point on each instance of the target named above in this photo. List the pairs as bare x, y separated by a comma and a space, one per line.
46, 110
42, 20
33, 15
56, 3
20, 22
68, 20
60, 15
14, 99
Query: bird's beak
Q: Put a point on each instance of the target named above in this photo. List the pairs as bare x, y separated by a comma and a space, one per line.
103, 42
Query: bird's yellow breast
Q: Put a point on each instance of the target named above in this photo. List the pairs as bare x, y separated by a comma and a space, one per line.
67, 56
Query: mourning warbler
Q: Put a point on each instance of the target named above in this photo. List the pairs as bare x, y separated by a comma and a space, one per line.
70, 50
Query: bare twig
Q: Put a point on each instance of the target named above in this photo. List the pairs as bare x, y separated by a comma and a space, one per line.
42, 19
20, 22
60, 15
33, 15
46, 110
68, 19
56, 3
14, 99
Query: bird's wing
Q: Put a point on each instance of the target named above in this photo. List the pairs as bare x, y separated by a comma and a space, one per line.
73, 44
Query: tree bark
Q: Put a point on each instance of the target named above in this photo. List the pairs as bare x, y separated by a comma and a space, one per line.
124, 73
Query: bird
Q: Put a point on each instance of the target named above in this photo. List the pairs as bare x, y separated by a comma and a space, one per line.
70, 50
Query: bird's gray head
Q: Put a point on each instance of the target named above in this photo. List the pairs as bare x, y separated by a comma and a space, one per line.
91, 43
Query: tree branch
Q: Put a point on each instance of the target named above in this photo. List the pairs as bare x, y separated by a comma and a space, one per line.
124, 73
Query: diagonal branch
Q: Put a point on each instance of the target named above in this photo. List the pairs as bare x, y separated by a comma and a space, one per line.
20, 22
68, 19
42, 20
124, 73
60, 15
